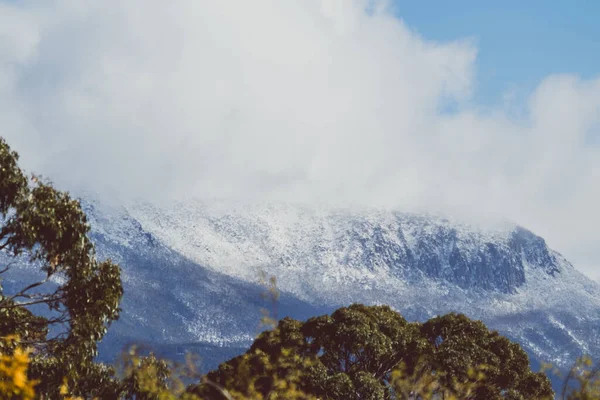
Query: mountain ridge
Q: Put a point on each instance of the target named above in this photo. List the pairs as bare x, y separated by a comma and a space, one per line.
192, 272
400, 242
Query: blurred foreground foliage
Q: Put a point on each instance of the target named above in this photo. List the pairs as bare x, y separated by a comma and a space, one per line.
284, 376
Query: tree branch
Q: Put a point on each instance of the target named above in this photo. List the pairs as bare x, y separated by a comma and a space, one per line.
22, 293
31, 303
3, 270
219, 388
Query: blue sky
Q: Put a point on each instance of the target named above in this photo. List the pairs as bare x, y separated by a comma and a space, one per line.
519, 42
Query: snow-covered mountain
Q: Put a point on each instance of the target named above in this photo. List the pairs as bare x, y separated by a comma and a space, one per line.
192, 274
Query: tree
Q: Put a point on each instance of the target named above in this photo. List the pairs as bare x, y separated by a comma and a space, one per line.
67, 311
358, 353
458, 343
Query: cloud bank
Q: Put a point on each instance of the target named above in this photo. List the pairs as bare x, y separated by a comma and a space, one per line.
312, 101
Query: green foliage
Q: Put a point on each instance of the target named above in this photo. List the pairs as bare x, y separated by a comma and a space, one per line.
48, 227
257, 375
426, 384
458, 343
362, 352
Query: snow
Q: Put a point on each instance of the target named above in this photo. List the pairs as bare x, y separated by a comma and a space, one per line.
192, 272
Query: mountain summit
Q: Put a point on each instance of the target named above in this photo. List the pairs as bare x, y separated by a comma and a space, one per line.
332, 248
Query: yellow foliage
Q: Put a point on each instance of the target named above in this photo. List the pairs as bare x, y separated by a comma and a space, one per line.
586, 379
150, 379
64, 392
14, 383
271, 294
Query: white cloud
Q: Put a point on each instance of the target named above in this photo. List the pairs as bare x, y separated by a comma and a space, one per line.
317, 100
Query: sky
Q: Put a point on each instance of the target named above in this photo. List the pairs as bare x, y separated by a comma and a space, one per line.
519, 42
464, 109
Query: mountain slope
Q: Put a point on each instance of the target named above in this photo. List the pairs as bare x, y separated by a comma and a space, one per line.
192, 273
422, 265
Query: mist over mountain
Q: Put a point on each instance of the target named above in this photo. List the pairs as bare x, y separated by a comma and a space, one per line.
317, 100
192, 274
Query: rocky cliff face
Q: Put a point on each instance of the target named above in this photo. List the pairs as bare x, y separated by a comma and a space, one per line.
344, 246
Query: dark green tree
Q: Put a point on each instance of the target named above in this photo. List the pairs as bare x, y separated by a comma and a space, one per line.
458, 343
354, 353
63, 314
